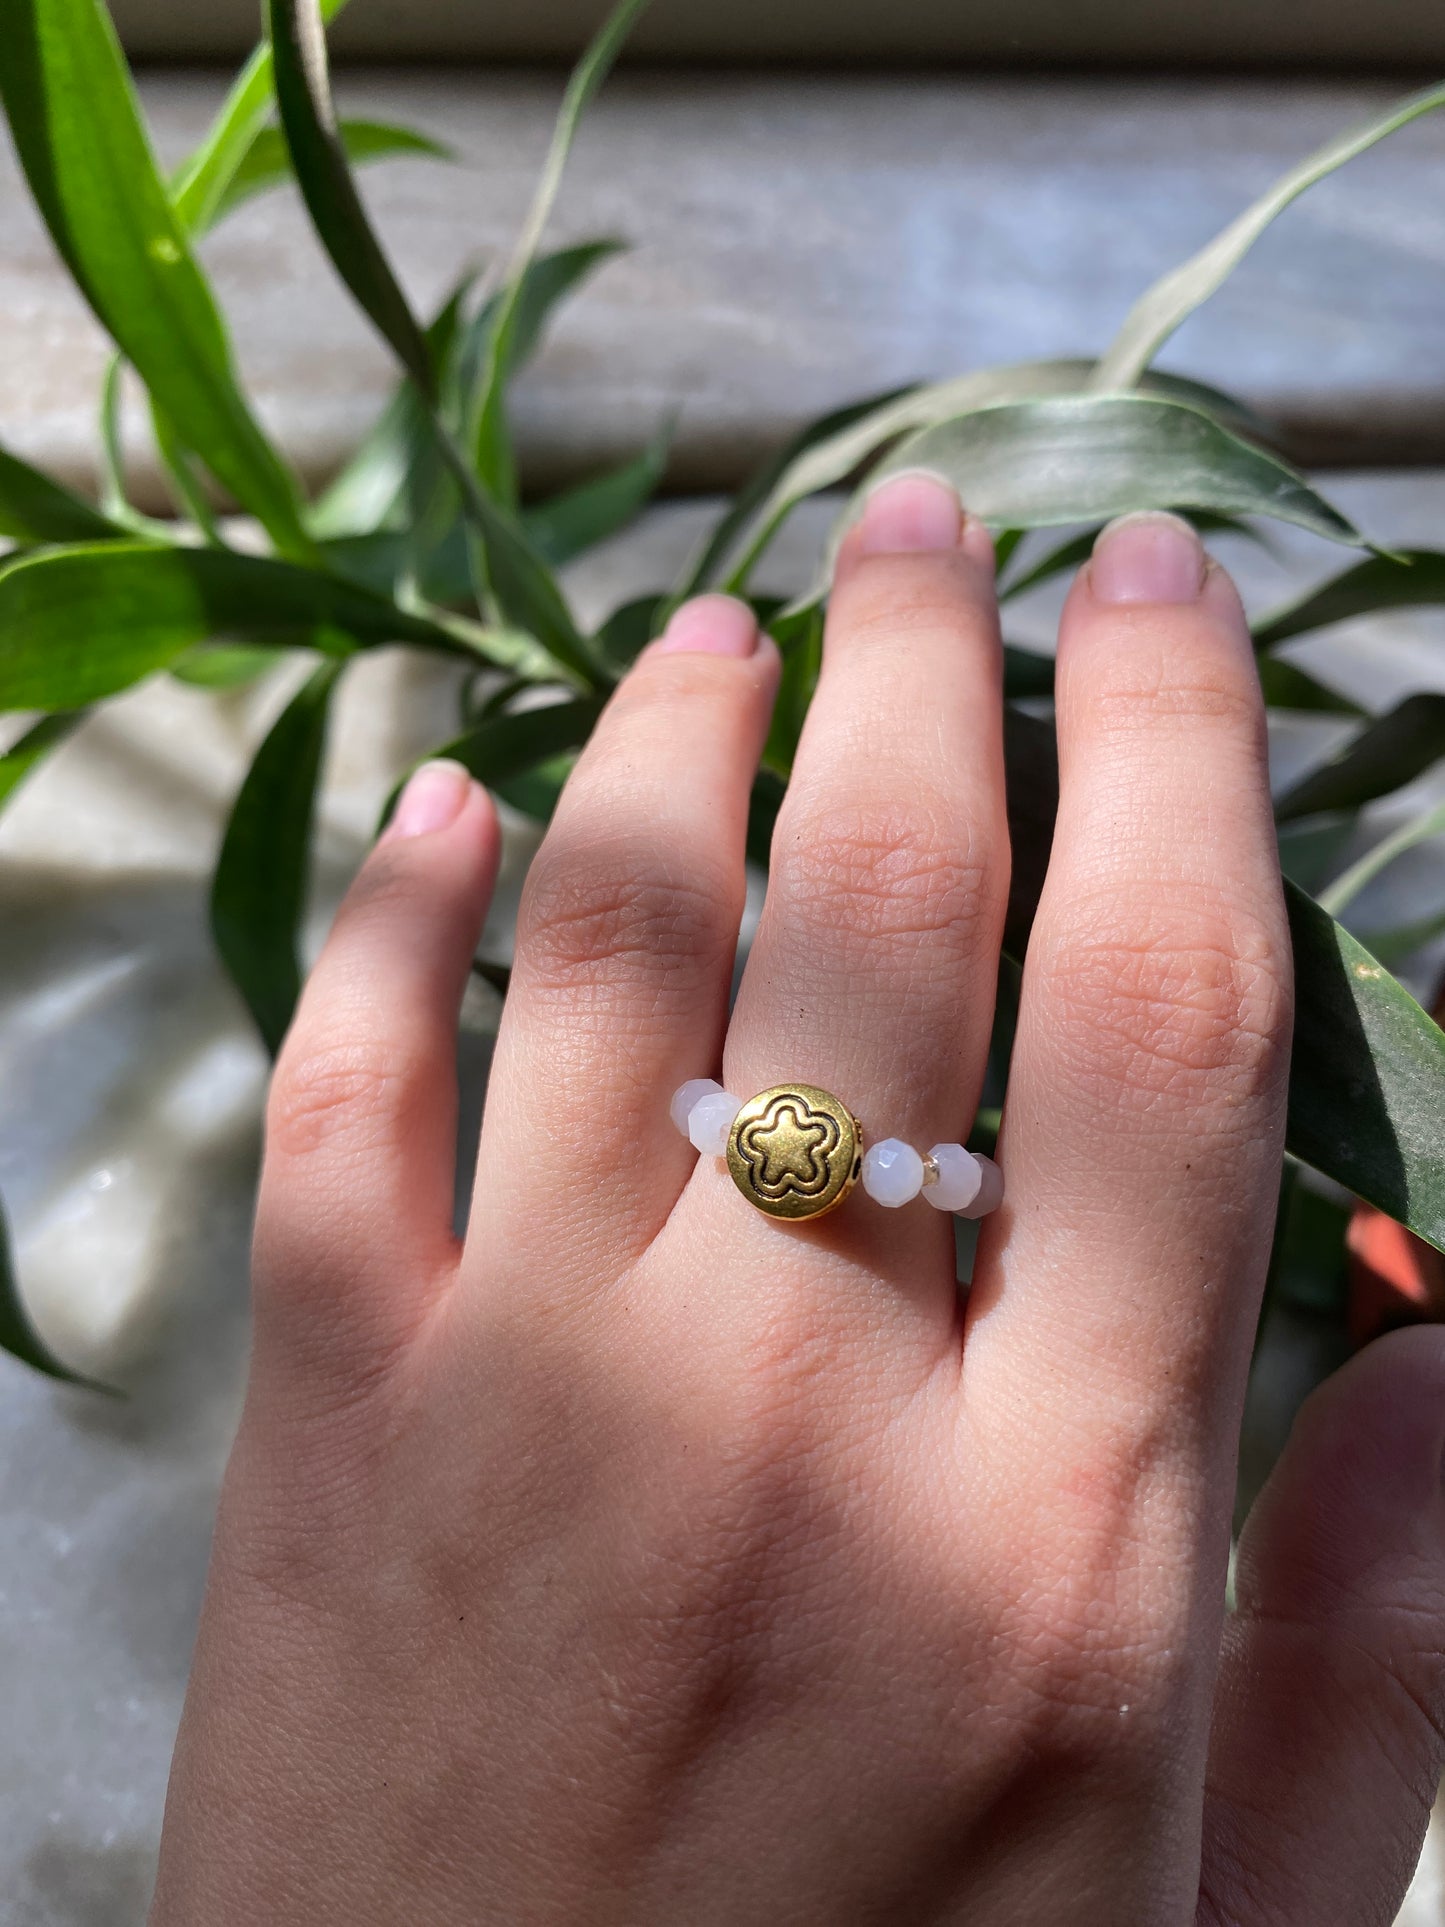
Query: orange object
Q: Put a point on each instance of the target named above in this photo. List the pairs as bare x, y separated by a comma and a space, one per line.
1395, 1277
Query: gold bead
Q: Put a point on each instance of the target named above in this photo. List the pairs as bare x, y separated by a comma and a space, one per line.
794, 1151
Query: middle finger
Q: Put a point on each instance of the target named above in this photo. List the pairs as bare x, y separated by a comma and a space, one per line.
874, 966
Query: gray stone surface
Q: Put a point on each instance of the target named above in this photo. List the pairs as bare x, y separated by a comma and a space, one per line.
129, 1096
801, 241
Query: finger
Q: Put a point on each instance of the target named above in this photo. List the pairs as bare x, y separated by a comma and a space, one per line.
1116, 1290
1328, 1743
625, 949
354, 1218
874, 965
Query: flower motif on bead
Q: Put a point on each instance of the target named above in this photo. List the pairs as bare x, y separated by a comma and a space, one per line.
789, 1148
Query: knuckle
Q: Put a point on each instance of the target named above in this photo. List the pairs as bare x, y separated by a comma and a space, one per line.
1194, 681
328, 1093
611, 910
660, 689
882, 875
387, 891
1167, 996
891, 599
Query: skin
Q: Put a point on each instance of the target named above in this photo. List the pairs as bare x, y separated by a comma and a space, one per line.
640, 1559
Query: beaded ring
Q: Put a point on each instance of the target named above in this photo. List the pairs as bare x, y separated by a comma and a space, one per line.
795, 1152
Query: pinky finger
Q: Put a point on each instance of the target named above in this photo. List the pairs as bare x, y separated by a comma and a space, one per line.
1328, 1740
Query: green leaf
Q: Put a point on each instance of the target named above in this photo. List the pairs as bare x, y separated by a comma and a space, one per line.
1386, 754
769, 789
25, 756
489, 442
526, 595
1367, 1084
505, 746
318, 158
258, 897
1286, 686
581, 517
1310, 851
1005, 542
824, 463
267, 161
78, 132
512, 574
802, 652
1163, 307
112, 454
508, 572
1309, 1264
1026, 673
479, 702
497, 976
17, 1335
187, 491
1072, 554
1031, 770
1086, 458
79, 624
537, 791
222, 665
35, 509
1367, 1078
703, 570
380, 479
499, 749
1077, 550
547, 282
1415, 579
380, 562
1343, 891
629, 629
199, 187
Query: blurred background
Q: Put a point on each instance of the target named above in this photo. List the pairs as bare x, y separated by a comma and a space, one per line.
1227, 34
820, 202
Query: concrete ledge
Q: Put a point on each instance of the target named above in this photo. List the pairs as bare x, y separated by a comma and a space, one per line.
800, 241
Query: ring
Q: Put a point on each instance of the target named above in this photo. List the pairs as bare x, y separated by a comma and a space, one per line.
795, 1151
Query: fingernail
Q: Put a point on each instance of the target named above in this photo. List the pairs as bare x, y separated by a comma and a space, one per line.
908, 514
709, 625
432, 800
1149, 557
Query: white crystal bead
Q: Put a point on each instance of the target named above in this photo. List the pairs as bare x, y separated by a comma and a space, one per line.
686, 1095
710, 1120
960, 1177
892, 1172
990, 1190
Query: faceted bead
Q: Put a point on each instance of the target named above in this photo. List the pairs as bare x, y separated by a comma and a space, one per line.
892, 1172
990, 1190
710, 1120
959, 1178
686, 1095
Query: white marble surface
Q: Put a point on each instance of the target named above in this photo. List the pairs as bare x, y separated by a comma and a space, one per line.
129, 1093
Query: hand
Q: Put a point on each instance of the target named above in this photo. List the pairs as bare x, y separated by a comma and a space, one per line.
646, 1560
